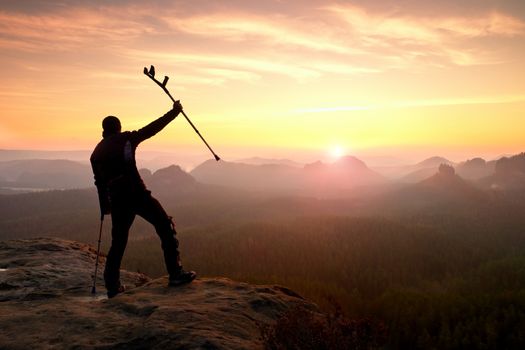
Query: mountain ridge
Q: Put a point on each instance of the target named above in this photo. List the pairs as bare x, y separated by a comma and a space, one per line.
316, 178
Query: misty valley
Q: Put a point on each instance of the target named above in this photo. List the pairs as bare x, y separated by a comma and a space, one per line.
434, 251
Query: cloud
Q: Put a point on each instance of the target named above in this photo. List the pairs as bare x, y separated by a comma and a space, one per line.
267, 31
230, 74
70, 29
245, 43
445, 39
491, 24
246, 66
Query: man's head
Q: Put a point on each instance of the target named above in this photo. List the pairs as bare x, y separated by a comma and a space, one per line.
110, 125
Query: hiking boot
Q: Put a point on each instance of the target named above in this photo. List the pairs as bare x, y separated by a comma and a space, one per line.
181, 278
113, 292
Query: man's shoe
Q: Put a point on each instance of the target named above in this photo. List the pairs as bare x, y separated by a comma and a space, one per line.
113, 292
182, 277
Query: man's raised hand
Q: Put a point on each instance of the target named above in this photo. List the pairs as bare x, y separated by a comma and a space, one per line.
177, 107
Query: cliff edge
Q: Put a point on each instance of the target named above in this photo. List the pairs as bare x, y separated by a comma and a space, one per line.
46, 302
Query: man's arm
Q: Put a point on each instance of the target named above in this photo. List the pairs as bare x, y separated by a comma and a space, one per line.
155, 126
102, 189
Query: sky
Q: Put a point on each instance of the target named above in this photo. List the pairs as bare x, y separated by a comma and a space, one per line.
280, 79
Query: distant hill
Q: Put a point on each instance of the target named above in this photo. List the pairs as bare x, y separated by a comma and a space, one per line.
172, 178
509, 174
263, 161
147, 159
12, 154
514, 164
279, 176
45, 174
443, 192
413, 173
475, 168
445, 179
419, 175
446, 184
425, 169
248, 176
433, 162
347, 172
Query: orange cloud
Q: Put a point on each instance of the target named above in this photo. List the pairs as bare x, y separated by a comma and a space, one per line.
415, 37
277, 30
69, 29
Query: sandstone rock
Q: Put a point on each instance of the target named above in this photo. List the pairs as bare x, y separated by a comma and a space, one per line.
46, 302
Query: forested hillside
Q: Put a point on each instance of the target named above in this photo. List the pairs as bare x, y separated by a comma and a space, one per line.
442, 284
440, 263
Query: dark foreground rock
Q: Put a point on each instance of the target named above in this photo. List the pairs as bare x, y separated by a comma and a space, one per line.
46, 303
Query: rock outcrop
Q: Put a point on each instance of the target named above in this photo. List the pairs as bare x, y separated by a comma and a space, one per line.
46, 302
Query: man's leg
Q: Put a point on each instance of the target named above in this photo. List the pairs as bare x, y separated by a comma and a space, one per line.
151, 210
122, 218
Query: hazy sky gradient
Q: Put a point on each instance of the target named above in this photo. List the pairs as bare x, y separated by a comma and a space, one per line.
272, 78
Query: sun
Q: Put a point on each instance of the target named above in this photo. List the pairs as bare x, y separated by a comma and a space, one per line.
337, 151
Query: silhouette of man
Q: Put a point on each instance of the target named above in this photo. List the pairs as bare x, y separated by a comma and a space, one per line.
122, 194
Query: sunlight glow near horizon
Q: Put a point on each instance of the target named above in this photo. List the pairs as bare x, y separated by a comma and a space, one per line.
337, 152
279, 78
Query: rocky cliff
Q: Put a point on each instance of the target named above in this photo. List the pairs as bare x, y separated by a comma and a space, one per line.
46, 303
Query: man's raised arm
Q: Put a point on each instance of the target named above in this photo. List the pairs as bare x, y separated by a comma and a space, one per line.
157, 125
